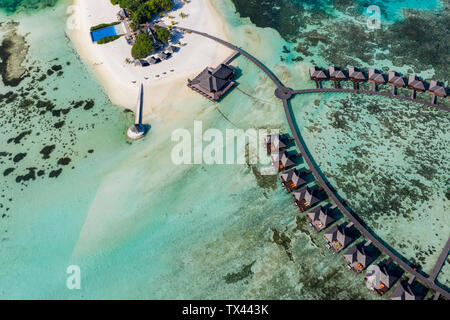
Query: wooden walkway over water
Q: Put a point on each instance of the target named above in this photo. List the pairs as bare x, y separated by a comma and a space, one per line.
285, 94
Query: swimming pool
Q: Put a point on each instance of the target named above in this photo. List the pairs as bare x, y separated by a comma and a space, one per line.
102, 33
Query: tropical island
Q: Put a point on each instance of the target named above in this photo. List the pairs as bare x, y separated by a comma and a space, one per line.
136, 42
145, 36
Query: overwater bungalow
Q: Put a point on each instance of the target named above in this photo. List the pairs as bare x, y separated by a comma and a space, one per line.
318, 75
407, 291
415, 84
396, 81
358, 257
437, 90
281, 161
338, 237
275, 143
386, 281
213, 83
306, 198
336, 74
376, 77
292, 180
320, 218
356, 75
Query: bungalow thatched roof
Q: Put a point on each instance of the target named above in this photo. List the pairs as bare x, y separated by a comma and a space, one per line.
356, 74
376, 76
437, 89
415, 83
395, 79
317, 73
337, 74
322, 215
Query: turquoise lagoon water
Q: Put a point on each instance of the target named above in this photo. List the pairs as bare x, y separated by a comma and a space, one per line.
139, 227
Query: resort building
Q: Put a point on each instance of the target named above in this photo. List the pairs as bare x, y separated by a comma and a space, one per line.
213, 83
153, 60
292, 180
122, 14
437, 90
149, 29
358, 257
164, 55
320, 218
318, 75
415, 84
356, 76
281, 161
396, 81
144, 63
171, 49
376, 77
306, 198
275, 143
336, 74
338, 237
387, 278
407, 291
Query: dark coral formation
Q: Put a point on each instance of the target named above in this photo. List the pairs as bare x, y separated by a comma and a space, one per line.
419, 40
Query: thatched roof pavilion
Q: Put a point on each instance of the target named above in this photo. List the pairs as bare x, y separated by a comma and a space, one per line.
306, 198
338, 237
376, 77
415, 84
396, 81
336, 74
437, 90
317, 74
281, 161
358, 257
356, 75
292, 180
320, 218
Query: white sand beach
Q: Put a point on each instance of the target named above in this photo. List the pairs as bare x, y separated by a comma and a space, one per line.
162, 86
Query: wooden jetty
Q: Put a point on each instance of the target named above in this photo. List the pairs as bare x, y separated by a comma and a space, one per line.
285, 94
138, 130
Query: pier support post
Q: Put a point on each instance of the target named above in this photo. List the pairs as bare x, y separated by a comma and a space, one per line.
433, 99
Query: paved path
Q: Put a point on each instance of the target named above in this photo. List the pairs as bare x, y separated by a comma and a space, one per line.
242, 52
284, 94
440, 262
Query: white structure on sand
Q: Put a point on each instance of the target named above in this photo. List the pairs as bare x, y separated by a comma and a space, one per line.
138, 130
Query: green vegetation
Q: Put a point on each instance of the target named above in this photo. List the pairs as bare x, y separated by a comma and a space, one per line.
143, 10
163, 34
142, 47
104, 25
108, 39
